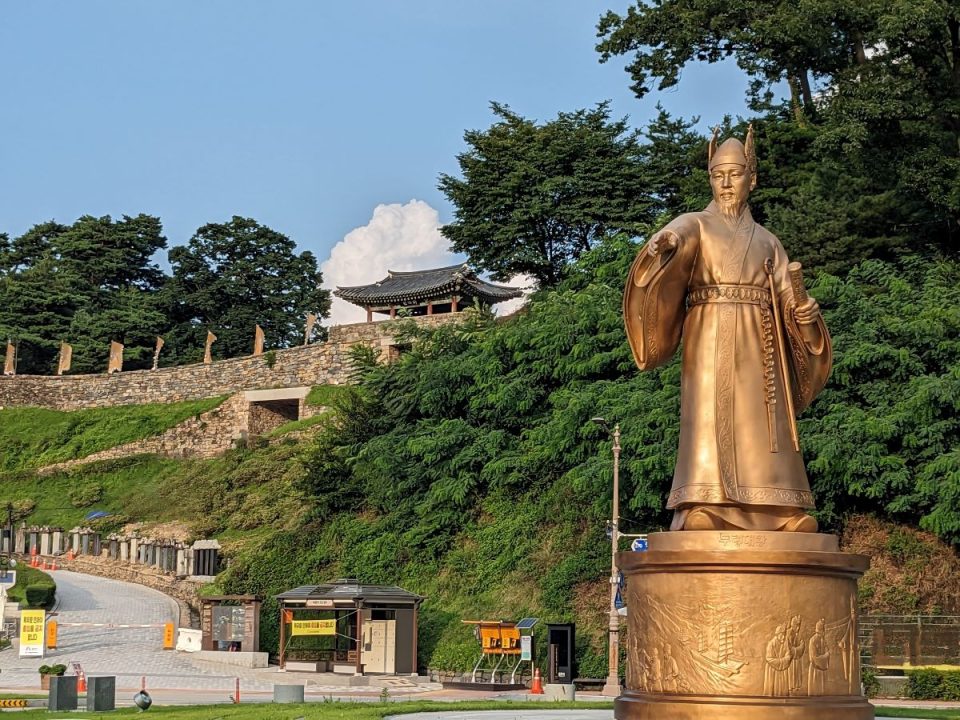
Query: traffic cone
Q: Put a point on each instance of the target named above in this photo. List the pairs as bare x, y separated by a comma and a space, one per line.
82, 683
536, 687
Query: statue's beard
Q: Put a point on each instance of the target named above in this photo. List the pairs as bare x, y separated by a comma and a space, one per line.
731, 207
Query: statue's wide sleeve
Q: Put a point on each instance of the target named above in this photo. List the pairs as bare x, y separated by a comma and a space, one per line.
809, 346
654, 300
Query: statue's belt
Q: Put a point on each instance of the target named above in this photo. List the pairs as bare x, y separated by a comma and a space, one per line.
748, 294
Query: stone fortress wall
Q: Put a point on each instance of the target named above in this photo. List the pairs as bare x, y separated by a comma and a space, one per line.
322, 363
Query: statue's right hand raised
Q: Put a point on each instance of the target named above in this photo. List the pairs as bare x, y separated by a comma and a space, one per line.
663, 240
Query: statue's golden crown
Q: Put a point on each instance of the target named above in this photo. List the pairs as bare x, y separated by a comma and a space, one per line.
732, 151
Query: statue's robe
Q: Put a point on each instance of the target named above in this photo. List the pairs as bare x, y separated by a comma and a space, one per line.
712, 290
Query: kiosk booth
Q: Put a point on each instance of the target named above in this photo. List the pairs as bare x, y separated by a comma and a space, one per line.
350, 628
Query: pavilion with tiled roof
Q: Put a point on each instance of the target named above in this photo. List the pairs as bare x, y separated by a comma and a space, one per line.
426, 292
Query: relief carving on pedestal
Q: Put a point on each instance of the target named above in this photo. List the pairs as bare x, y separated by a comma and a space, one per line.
718, 648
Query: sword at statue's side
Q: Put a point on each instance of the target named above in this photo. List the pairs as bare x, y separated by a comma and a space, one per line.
781, 353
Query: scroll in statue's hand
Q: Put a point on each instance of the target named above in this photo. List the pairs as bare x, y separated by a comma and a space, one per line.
807, 312
663, 240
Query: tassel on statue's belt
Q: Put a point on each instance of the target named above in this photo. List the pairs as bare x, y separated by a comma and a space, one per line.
748, 294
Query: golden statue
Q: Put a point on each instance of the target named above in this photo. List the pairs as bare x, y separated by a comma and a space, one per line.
755, 352
740, 620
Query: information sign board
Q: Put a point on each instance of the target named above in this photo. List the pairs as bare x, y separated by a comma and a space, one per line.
313, 627
31, 632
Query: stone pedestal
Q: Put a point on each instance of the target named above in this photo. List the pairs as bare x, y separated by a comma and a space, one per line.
63, 693
288, 693
101, 693
742, 626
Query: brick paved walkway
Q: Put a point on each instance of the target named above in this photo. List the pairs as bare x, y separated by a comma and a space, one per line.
133, 653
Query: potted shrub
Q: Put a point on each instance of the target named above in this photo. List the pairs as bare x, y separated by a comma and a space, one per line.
46, 671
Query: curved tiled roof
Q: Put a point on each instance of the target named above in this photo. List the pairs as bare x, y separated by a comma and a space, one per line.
418, 286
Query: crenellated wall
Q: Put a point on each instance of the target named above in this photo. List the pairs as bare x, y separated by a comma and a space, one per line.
323, 363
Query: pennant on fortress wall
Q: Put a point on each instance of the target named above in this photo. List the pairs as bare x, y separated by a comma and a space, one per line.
66, 356
10, 364
258, 341
311, 321
211, 338
156, 351
116, 357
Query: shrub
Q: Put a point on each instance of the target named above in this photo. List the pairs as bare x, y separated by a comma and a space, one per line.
39, 595
871, 685
930, 684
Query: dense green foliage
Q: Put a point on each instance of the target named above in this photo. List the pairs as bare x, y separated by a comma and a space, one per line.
87, 283
535, 197
96, 281
469, 470
877, 83
933, 684
34, 437
235, 275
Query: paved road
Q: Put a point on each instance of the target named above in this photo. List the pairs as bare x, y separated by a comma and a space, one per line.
133, 653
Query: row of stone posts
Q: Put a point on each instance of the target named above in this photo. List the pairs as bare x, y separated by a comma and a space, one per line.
202, 558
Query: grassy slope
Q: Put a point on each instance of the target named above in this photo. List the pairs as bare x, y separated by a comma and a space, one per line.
34, 437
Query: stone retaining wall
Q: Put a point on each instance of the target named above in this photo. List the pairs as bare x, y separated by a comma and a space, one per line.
318, 364
205, 436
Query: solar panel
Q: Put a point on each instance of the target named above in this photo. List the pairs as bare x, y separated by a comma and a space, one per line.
527, 623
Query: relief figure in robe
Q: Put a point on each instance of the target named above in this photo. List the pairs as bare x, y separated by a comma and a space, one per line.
755, 353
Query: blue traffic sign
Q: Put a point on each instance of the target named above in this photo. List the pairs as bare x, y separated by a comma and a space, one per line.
639, 545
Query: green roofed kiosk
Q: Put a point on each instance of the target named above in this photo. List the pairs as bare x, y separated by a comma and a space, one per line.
426, 292
322, 627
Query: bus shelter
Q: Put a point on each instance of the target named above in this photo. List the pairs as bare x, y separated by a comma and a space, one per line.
348, 627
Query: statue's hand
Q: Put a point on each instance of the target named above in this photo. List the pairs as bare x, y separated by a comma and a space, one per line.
807, 313
663, 240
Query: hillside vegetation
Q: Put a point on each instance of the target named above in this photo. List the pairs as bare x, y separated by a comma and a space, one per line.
469, 471
32, 437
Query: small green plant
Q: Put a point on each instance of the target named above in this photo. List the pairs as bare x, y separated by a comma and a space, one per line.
270, 358
58, 669
871, 685
384, 695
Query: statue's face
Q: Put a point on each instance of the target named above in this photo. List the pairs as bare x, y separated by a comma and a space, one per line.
731, 187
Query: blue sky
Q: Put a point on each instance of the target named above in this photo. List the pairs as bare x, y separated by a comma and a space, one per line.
306, 115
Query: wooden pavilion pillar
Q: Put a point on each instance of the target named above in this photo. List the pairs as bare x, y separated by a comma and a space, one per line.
416, 623
454, 305
283, 636
429, 308
393, 311
359, 665
369, 314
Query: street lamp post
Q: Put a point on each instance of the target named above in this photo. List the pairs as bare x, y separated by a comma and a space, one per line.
611, 687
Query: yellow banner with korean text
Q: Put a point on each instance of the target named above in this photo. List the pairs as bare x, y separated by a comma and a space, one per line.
313, 627
31, 632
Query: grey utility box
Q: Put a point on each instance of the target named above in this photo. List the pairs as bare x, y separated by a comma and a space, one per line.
288, 693
63, 693
101, 693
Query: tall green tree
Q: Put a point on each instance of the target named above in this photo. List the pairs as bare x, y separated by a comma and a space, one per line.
880, 82
533, 197
71, 283
235, 275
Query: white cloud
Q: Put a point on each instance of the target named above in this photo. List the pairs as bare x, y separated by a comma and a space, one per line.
526, 283
398, 237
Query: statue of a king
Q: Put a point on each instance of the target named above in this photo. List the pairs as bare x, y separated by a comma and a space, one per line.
755, 352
